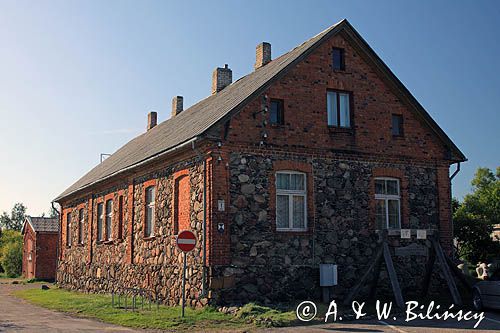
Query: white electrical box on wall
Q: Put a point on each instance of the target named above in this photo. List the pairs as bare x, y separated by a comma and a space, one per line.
327, 275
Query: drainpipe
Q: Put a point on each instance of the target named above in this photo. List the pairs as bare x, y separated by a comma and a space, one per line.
451, 210
59, 241
456, 172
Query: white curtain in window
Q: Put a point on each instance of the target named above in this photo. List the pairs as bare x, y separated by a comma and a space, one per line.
344, 110
331, 100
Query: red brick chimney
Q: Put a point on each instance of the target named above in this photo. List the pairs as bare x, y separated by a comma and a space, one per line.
177, 105
221, 78
152, 119
262, 54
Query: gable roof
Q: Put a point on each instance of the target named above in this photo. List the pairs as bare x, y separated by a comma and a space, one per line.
196, 120
41, 224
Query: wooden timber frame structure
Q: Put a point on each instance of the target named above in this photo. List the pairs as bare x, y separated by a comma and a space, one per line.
383, 254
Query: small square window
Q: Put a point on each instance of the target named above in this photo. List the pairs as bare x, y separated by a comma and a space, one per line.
338, 59
277, 114
397, 125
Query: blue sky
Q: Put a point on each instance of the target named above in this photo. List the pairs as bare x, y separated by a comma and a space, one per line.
77, 78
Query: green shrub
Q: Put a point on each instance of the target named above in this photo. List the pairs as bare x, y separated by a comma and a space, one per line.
12, 259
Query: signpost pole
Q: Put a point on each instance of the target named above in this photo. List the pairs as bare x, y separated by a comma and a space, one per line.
184, 285
186, 242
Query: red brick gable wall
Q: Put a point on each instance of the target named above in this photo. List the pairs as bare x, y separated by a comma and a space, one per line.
303, 90
43, 249
29, 246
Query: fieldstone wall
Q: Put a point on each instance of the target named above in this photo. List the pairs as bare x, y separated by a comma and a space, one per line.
271, 266
157, 263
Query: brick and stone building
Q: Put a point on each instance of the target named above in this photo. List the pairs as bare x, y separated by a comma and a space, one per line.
298, 163
40, 241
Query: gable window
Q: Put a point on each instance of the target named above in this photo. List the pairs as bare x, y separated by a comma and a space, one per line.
68, 229
387, 203
277, 113
338, 59
150, 212
80, 226
397, 125
291, 212
120, 218
100, 218
338, 109
109, 219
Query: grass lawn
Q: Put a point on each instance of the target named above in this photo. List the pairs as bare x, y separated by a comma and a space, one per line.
99, 306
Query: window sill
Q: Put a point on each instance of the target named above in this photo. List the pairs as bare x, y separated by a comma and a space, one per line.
277, 126
292, 231
398, 137
149, 238
104, 242
80, 245
338, 129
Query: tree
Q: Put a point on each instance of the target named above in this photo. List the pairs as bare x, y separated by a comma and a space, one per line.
475, 217
16, 219
12, 259
53, 212
9, 237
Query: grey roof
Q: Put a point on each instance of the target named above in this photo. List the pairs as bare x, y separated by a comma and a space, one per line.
200, 117
42, 224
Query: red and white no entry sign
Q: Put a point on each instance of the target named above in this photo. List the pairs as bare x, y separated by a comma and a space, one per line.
186, 241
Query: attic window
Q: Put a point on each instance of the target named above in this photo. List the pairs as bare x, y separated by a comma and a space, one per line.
277, 112
338, 62
397, 125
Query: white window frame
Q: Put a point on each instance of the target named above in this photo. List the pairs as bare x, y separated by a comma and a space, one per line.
108, 236
386, 198
100, 218
81, 215
150, 205
68, 229
291, 194
334, 118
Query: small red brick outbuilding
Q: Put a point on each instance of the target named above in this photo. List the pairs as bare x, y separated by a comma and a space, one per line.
40, 247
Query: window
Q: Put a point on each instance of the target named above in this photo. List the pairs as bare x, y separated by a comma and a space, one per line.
150, 212
68, 229
338, 109
387, 203
291, 210
80, 226
338, 59
120, 217
397, 125
277, 112
100, 217
109, 219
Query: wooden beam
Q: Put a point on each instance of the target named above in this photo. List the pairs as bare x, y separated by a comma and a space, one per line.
393, 277
428, 272
457, 299
357, 287
376, 274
